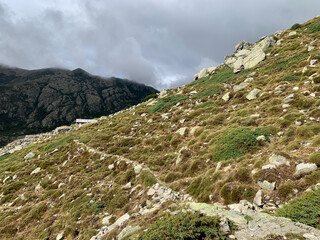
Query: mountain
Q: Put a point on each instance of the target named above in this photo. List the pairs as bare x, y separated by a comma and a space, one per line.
40, 100
232, 155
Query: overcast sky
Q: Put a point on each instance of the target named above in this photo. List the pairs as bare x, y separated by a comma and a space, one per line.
162, 43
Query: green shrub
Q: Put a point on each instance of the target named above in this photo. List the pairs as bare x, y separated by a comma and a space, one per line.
185, 226
172, 176
314, 27
295, 26
150, 96
243, 175
291, 78
304, 209
315, 158
233, 193
167, 102
236, 142
147, 178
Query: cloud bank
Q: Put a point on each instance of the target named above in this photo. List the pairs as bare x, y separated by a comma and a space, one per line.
159, 43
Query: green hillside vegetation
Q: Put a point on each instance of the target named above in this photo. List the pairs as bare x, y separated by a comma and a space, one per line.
190, 140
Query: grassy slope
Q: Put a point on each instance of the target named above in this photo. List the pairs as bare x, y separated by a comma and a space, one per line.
77, 185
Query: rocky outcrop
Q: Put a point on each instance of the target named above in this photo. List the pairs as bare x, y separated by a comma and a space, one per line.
248, 55
40, 100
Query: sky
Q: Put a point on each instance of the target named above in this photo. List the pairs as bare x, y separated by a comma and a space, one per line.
161, 43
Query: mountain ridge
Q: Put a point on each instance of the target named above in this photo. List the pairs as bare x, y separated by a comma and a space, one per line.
40, 100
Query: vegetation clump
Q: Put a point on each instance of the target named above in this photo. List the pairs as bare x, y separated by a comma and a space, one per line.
314, 27
304, 209
185, 226
236, 142
296, 26
150, 96
167, 102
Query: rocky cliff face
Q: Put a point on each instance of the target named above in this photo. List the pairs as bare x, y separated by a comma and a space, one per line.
40, 100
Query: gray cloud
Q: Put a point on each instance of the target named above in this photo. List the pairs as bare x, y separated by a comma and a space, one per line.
160, 43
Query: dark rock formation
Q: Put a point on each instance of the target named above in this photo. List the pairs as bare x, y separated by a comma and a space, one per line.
40, 100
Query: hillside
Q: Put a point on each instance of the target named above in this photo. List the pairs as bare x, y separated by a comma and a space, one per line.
34, 101
232, 155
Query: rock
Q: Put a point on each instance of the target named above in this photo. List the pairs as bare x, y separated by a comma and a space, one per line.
127, 186
59, 236
286, 105
289, 98
106, 220
261, 138
240, 86
224, 225
258, 199
248, 80
111, 166
193, 130
151, 192
127, 231
163, 93
137, 169
182, 131
303, 168
310, 48
35, 171
236, 207
253, 94
226, 97
313, 62
120, 221
295, 89
205, 72
180, 154
267, 185
280, 133
242, 46
292, 33
268, 166
62, 129
29, 156
6, 179
38, 188
277, 160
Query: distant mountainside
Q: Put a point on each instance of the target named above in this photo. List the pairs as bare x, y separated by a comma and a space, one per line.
40, 100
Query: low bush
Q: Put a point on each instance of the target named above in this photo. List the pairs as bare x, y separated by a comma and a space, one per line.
185, 226
236, 142
315, 158
285, 189
147, 178
295, 26
150, 96
304, 209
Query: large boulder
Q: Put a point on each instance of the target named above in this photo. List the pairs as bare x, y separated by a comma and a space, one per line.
304, 168
247, 56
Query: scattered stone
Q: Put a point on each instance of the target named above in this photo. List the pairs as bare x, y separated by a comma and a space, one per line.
120, 221
29, 156
261, 138
298, 123
240, 86
292, 33
286, 105
310, 48
295, 88
313, 62
226, 97
38, 188
280, 134
248, 80
253, 94
151, 192
37, 170
268, 166
59, 236
277, 160
180, 154
182, 131
111, 166
289, 98
106, 220
258, 199
137, 169
303, 168
62, 129
193, 130
267, 185
128, 231
127, 186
